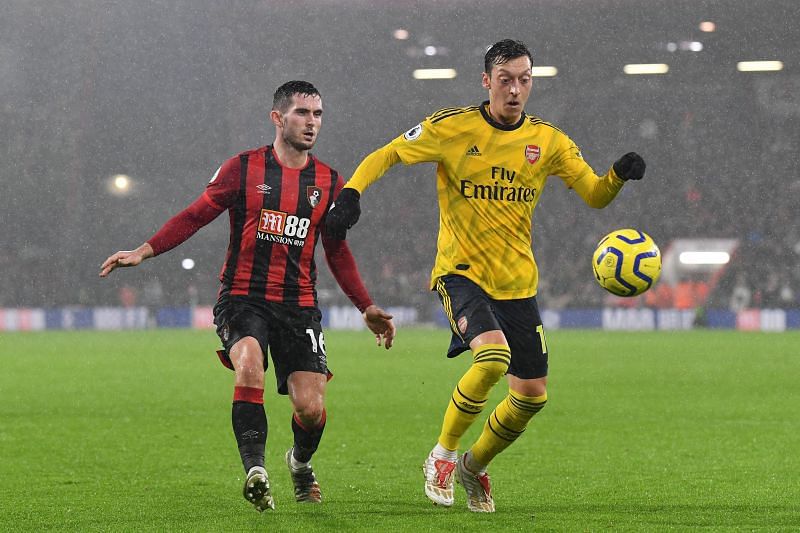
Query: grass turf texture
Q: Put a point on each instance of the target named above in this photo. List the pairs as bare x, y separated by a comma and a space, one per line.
643, 431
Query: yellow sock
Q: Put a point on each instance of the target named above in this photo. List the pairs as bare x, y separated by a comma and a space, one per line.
506, 423
490, 363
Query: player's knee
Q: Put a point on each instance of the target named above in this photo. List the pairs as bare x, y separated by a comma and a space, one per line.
526, 407
492, 360
493, 370
539, 402
311, 414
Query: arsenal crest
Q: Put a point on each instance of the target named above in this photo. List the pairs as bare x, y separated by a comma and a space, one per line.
532, 153
314, 195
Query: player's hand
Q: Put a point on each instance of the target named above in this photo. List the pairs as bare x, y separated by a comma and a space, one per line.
630, 167
343, 214
126, 258
380, 323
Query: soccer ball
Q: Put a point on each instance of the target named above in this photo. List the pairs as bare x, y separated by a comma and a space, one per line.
626, 262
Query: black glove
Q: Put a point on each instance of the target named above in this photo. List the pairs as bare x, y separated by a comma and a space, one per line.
630, 167
343, 214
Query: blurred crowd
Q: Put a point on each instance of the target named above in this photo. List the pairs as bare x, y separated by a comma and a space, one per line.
706, 177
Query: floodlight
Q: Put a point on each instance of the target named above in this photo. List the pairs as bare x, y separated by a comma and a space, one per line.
759, 66
119, 184
544, 72
646, 68
434, 73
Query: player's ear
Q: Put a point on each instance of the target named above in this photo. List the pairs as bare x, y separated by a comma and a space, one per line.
485, 80
276, 117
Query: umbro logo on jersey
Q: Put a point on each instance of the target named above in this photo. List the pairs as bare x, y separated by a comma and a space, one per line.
263, 188
474, 150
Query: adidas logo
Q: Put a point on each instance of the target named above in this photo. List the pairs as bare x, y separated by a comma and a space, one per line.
474, 150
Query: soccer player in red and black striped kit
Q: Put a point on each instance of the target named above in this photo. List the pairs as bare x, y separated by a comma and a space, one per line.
277, 198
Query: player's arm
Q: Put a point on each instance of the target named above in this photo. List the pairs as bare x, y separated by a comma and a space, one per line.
175, 231
343, 267
417, 145
218, 196
596, 191
346, 209
373, 167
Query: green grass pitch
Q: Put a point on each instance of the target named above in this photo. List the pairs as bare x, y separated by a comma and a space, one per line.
130, 431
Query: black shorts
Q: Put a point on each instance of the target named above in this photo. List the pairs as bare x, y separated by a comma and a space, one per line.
471, 312
292, 334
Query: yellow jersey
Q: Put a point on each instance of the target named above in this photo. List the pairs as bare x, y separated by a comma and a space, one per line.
490, 177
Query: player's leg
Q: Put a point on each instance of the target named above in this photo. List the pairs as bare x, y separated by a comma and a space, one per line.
476, 482
473, 323
248, 416
527, 378
302, 372
241, 330
250, 420
307, 393
490, 360
526, 397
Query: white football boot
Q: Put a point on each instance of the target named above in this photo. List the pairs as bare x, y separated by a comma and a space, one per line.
256, 489
478, 487
439, 480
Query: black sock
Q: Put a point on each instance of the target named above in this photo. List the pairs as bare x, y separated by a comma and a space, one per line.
306, 440
250, 429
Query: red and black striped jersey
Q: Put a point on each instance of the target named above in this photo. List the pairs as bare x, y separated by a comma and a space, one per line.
276, 217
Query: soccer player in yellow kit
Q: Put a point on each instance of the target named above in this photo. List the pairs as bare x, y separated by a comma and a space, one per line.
492, 163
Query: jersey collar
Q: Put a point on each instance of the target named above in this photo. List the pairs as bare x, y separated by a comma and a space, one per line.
492, 122
271, 149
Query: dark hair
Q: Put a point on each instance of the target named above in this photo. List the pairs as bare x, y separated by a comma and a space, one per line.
504, 51
282, 98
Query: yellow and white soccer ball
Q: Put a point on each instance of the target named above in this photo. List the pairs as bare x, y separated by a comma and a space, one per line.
627, 262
